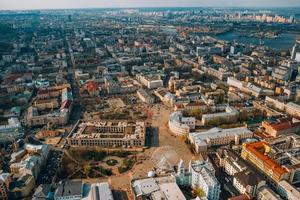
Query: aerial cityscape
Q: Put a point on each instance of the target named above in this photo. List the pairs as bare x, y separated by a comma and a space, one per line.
150, 101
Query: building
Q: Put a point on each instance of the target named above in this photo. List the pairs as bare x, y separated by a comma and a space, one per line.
4, 185
229, 116
282, 126
283, 72
157, 189
180, 125
295, 54
98, 191
265, 193
43, 192
203, 176
293, 109
90, 88
290, 108
35, 113
220, 73
150, 81
145, 96
183, 177
257, 154
248, 88
288, 191
21, 187
12, 131
248, 182
165, 96
218, 137
108, 134
246, 179
29, 160
69, 189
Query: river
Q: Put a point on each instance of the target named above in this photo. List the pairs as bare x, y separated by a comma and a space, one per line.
284, 41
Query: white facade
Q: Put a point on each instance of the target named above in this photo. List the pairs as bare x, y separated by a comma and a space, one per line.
234, 82
108, 134
12, 130
145, 96
203, 176
266, 193
292, 109
157, 188
151, 82
99, 191
230, 115
288, 191
180, 125
218, 136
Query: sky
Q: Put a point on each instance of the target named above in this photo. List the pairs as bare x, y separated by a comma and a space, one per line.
56, 4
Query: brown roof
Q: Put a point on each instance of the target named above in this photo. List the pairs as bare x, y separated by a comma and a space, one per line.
258, 149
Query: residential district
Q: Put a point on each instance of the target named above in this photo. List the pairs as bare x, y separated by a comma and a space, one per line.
173, 104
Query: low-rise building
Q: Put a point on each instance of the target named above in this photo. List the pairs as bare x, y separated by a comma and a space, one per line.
293, 109
180, 125
265, 193
203, 176
35, 115
22, 187
282, 126
157, 188
99, 191
108, 134
4, 185
29, 160
229, 116
288, 191
217, 137
69, 189
257, 154
150, 81
248, 182
145, 96
12, 131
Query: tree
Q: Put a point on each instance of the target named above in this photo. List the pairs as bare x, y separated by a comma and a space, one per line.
199, 192
86, 169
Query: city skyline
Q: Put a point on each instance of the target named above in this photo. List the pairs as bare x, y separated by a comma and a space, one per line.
65, 4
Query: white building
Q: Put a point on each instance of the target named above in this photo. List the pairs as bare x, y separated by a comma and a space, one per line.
245, 87
218, 136
248, 182
295, 54
12, 130
29, 160
229, 116
99, 191
266, 193
180, 125
150, 81
69, 190
157, 188
234, 82
292, 109
108, 134
145, 96
203, 176
288, 191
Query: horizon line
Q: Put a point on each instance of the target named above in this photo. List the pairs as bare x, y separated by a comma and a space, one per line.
143, 7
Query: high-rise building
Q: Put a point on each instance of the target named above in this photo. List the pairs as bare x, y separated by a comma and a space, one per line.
295, 54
